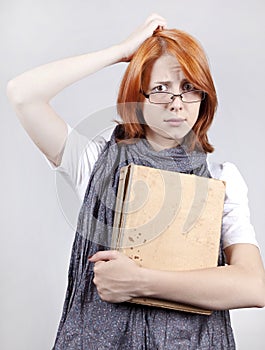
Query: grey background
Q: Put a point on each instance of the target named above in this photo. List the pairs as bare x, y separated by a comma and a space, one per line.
35, 236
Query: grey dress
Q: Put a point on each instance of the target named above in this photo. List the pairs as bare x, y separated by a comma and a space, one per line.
87, 322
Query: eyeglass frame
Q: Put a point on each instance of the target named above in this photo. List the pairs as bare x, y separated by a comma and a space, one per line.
173, 96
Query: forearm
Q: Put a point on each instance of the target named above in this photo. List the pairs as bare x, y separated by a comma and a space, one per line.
31, 91
44, 82
241, 283
225, 287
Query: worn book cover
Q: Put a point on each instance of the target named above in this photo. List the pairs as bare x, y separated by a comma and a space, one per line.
168, 221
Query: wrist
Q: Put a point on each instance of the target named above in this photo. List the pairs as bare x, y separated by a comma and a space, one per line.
121, 53
143, 285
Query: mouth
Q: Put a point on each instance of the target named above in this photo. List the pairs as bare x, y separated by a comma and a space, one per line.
174, 121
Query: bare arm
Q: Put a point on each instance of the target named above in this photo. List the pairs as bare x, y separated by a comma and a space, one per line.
31, 92
241, 283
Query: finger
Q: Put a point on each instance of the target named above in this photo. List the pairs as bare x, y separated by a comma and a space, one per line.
154, 16
104, 255
156, 26
156, 20
98, 263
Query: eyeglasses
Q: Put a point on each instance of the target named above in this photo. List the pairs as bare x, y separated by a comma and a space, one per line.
167, 97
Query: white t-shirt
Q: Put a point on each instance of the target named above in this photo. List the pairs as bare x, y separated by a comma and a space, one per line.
80, 155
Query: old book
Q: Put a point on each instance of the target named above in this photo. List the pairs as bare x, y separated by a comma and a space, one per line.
168, 221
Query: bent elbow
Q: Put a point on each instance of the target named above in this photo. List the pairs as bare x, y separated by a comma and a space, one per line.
20, 94
14, 93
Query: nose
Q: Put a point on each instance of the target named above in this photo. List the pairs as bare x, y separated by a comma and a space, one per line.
176, 103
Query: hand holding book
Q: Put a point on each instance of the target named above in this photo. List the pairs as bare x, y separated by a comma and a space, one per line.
117, 277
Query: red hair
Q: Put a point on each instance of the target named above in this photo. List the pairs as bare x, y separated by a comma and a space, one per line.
194, 64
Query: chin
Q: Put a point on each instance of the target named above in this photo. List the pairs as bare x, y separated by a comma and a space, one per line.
179, 136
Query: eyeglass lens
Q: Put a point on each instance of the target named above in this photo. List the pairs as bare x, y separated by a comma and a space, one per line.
165, 97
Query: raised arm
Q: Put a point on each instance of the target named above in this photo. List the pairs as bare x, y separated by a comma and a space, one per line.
31, 92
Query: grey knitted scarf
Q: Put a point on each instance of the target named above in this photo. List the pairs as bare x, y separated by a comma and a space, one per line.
88, 323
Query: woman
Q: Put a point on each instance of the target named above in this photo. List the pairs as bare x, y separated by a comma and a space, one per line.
167, 102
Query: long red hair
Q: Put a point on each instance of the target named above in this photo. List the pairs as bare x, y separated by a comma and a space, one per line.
194, 64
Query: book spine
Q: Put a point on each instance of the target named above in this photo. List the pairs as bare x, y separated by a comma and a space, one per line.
118, 217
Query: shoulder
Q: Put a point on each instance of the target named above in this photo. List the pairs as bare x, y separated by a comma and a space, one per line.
79, 157
236, 225
221, 170
228, 172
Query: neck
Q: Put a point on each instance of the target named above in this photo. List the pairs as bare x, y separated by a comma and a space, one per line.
159, 142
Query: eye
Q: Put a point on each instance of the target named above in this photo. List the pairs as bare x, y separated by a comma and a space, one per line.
160, 88
187, 86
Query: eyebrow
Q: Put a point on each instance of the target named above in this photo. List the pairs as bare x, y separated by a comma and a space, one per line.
168, 82
162, 82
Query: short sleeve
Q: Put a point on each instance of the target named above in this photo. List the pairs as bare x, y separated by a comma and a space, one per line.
236, 225
79, 157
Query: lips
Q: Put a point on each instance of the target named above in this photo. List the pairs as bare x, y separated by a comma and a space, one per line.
174, 121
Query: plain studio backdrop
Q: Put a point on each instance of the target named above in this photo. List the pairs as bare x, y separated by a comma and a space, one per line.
36, 236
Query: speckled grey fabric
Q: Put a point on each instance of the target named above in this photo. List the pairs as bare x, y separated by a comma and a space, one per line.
88, 323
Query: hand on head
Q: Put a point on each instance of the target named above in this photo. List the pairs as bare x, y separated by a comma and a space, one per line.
130, 45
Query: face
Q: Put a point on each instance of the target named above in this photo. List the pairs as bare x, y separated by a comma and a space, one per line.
167, 124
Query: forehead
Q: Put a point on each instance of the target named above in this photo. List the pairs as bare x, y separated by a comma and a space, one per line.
166, 68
